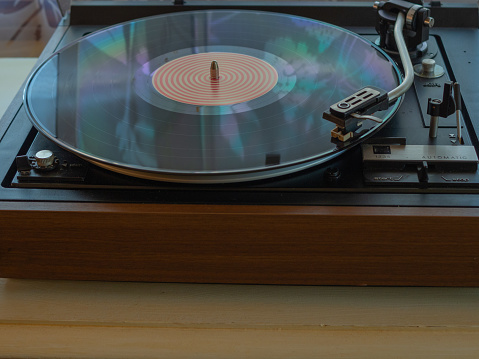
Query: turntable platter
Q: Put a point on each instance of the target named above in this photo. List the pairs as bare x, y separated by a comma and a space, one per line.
139, 97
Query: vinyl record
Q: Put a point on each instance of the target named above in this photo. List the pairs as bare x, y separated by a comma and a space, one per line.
138, 98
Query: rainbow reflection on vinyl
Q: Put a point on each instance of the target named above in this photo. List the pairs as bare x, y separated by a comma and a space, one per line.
139, 97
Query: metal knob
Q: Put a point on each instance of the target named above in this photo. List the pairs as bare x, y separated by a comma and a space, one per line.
44, 158
429, 22
428, 66
428, 69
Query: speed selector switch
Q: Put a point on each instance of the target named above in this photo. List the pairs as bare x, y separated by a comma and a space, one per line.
45, 160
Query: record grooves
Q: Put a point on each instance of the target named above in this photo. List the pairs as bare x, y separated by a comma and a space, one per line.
132, 99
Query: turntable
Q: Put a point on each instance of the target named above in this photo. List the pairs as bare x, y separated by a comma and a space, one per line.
248, 142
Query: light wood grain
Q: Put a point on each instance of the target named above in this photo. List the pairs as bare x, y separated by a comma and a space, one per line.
112, 342
68, 319
234, 306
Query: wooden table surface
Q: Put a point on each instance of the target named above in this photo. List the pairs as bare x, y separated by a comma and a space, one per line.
74, 319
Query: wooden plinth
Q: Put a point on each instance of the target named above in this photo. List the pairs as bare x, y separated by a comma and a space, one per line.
240, 244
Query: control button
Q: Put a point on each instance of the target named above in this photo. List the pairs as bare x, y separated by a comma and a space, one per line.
23, 164
44, 158
428, 66
381, 150
422, 173
332, 174
428, 69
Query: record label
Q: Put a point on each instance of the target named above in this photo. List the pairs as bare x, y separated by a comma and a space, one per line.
241, 78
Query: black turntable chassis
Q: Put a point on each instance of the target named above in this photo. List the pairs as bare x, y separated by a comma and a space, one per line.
227, 235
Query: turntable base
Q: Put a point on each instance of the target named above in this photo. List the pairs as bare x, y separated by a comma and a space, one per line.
346, 221
241, 244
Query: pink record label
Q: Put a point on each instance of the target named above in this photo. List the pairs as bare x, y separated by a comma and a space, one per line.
241, 78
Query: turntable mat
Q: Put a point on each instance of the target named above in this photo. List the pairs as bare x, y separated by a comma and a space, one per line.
138, 97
